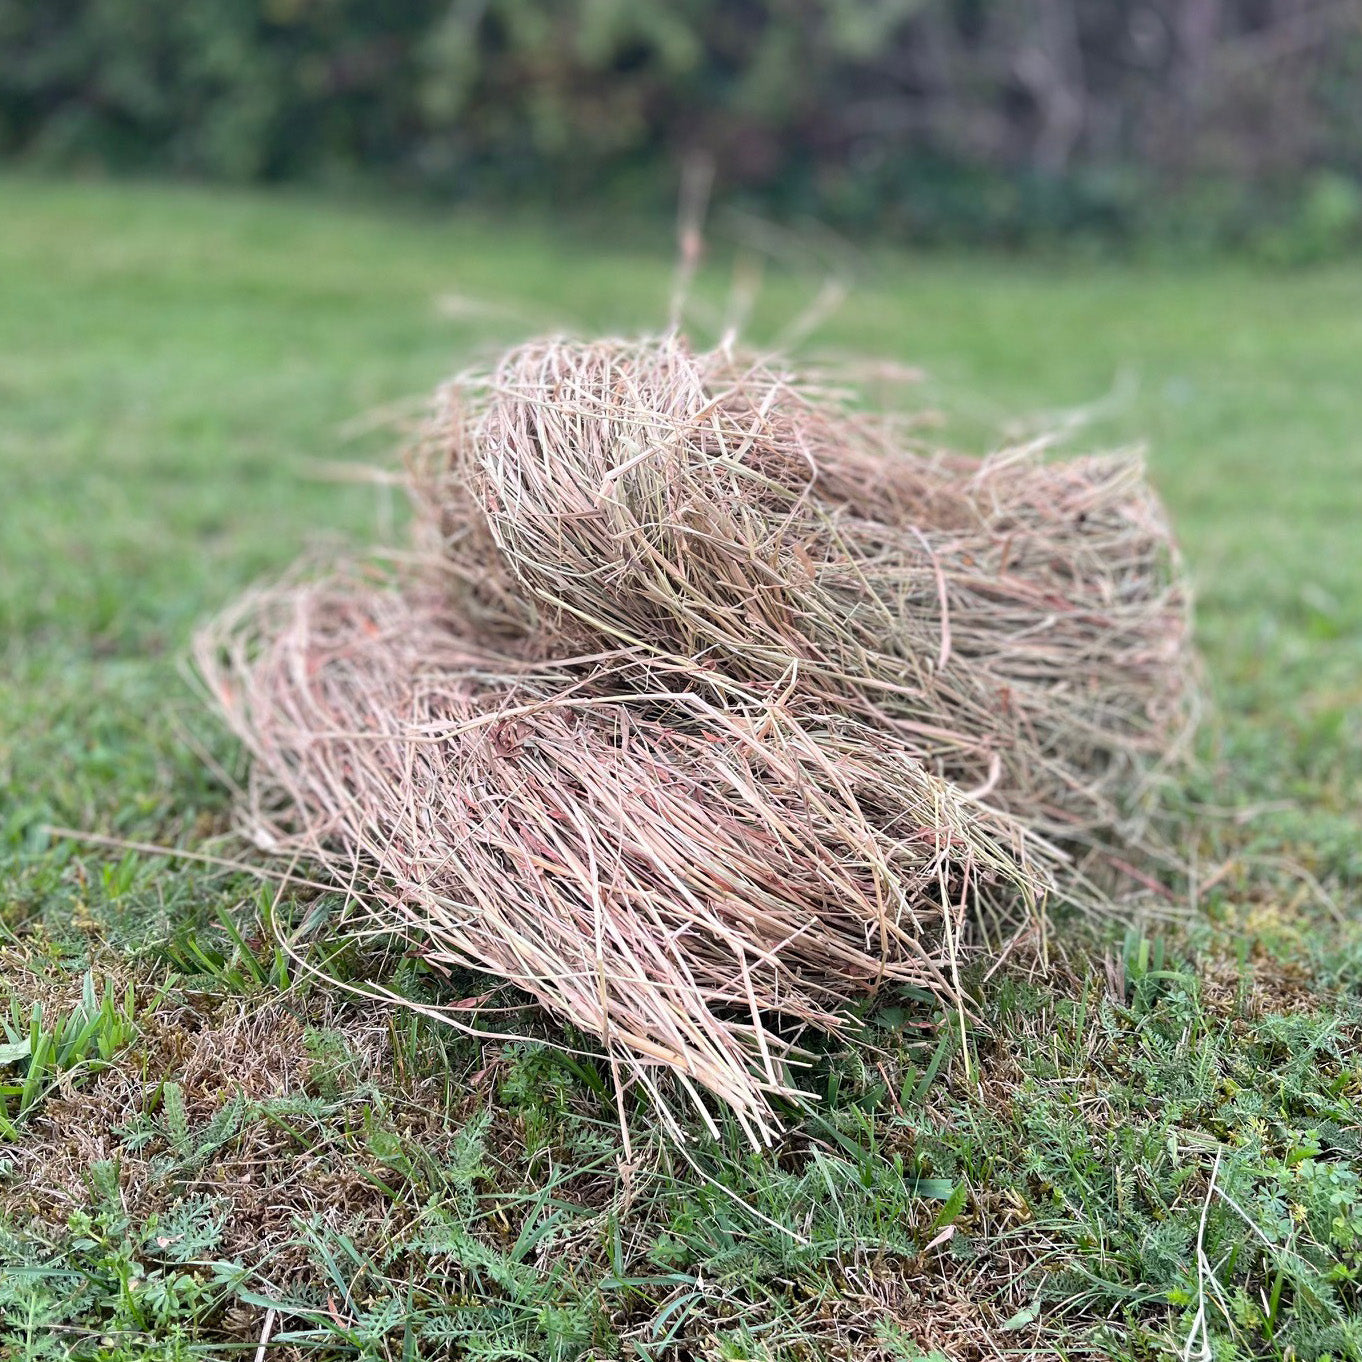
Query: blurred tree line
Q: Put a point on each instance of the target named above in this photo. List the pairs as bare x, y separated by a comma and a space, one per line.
940, 120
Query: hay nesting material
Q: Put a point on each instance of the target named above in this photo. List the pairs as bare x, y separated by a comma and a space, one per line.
705, 706
666, 873
1021, 626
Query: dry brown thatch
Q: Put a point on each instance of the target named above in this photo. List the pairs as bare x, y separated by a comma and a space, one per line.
1019, 625
666, 872
707, 702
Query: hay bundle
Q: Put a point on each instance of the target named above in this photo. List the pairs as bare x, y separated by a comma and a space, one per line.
1019, 625
667, 873
707, 707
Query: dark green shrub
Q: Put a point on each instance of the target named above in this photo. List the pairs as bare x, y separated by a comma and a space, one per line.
949, 120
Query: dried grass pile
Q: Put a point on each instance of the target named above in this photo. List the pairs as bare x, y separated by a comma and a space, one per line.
1020, 625
705, 706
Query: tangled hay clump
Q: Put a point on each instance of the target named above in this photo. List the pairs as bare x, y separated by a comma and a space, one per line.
706, 705
1020, 625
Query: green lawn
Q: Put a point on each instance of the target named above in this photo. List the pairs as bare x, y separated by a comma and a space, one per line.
1154, 1146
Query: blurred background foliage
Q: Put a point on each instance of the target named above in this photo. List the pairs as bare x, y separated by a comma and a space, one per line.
1203, 123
